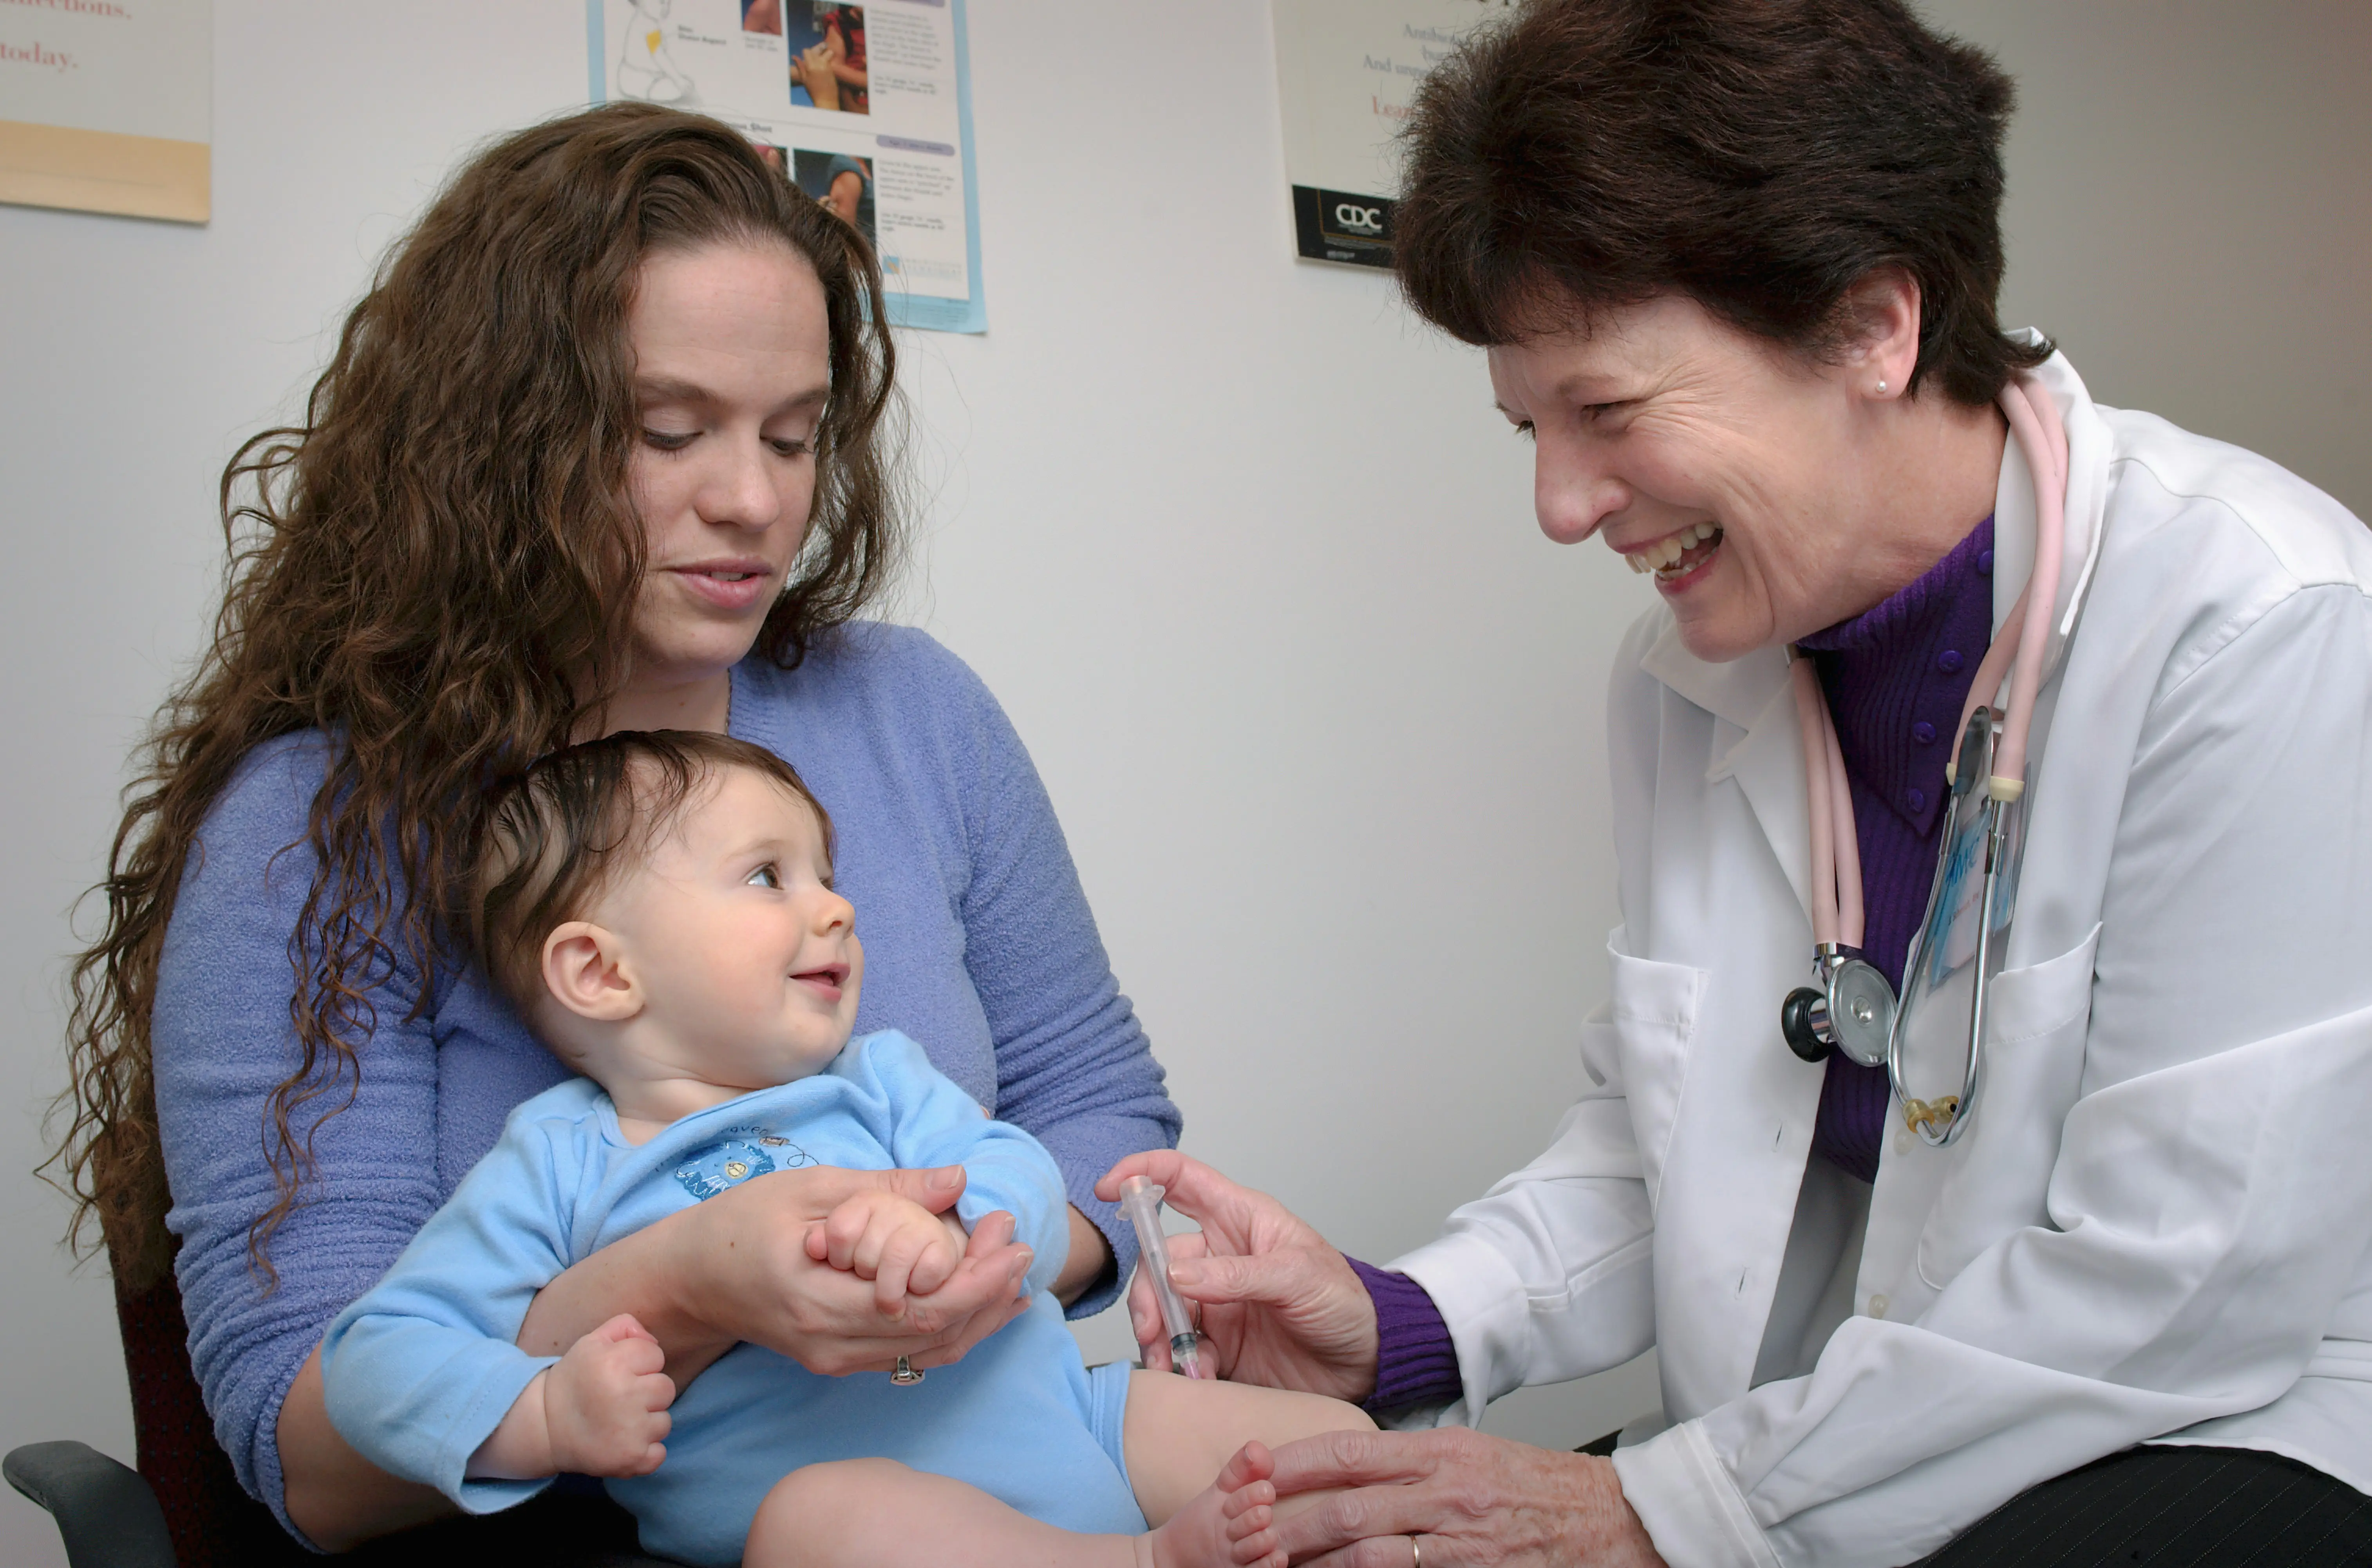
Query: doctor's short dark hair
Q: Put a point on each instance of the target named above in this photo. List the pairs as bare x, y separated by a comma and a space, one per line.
1758, 155
561, 834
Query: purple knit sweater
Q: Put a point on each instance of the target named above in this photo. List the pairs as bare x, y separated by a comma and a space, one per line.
1895, 675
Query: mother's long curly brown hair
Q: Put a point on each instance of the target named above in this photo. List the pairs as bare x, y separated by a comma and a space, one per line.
438, 567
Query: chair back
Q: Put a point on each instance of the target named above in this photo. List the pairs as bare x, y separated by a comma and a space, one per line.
214, 1523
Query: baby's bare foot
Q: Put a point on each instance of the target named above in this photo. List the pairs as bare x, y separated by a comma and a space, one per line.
1228, 1525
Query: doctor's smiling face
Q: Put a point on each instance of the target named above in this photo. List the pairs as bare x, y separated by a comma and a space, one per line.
1752, 482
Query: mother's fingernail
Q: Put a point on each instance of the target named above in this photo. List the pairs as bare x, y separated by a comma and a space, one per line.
945, 1179
1020, 1264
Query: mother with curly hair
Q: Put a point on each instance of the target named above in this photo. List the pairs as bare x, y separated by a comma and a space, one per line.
2107, 1299
606, 446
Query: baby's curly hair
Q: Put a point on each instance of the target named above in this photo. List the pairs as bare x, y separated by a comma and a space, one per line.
558, 836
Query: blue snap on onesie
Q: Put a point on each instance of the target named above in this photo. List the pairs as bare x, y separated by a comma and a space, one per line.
419, 1371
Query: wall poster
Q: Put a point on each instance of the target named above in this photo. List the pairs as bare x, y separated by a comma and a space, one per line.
866, 108
106, 106
1347, 71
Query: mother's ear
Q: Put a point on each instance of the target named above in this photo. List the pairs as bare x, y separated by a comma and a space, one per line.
585, 971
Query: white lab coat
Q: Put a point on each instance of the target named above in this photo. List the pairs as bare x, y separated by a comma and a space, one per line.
2158, 1224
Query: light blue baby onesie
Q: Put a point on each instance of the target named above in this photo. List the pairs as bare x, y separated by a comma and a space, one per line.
419, 1371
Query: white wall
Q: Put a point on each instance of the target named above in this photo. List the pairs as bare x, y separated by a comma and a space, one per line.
1245, 553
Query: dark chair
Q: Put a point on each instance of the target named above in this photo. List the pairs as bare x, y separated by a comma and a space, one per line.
183, 1508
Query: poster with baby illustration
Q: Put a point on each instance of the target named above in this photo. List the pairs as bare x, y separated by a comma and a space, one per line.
866, 108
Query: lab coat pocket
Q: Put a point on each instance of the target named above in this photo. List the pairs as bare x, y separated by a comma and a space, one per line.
1999, 1173
1638, 1045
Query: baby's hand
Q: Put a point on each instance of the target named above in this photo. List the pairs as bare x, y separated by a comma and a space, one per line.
605, 1402
895, 1242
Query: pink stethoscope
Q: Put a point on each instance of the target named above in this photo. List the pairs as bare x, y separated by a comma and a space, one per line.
1851, 1008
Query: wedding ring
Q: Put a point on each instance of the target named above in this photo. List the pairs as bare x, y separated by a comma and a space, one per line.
1416, 1554
906, 1377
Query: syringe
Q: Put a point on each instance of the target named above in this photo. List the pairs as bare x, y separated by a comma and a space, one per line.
1140, 1200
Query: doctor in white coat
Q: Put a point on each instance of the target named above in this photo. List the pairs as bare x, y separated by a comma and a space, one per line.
1735, 261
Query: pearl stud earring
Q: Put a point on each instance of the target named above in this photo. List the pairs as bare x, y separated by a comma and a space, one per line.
1881, 387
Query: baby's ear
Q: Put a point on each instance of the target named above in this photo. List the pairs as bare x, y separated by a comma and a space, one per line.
585, 970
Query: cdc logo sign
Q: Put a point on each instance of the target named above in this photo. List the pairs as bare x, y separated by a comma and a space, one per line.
1343, 225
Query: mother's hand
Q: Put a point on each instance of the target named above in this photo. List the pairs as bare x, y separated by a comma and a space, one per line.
1279, 1306
1465, 1497
736, 1268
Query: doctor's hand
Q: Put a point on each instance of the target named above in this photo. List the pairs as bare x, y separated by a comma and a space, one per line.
1279, 1306
1465, 1498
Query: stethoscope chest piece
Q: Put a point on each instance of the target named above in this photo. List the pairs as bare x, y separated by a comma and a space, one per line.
1852, 1010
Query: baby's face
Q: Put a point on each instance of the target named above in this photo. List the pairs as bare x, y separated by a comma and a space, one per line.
748, 961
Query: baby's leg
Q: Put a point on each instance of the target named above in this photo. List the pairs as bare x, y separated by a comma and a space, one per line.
1181, 1432
879, 1513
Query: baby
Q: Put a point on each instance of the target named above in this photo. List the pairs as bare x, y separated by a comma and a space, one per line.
660, 908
